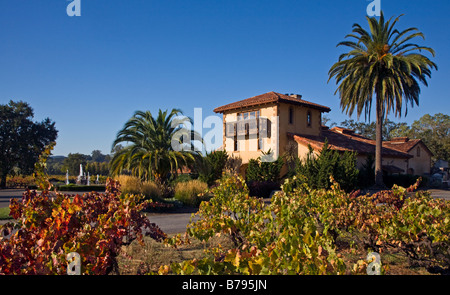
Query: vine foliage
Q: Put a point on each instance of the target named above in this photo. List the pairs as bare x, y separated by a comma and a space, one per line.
51, 225
297, 232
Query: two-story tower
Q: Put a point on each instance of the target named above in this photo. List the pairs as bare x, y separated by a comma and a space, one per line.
257, 124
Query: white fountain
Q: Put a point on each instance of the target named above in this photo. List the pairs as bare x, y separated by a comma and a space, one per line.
67, 177
81, 178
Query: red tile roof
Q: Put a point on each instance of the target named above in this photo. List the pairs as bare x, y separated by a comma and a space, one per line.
404, 144
270, 97
342, 139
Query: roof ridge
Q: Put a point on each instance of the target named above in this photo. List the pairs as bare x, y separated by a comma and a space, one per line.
269, 97
342, 142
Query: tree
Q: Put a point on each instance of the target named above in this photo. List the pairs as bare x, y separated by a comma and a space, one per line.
258, 170
151, 150
434, 132
316, 170
97, 156
21, 139
211, 166
369, 129
384, 65
73, 161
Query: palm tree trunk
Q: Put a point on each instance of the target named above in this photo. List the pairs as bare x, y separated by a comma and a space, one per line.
379, 142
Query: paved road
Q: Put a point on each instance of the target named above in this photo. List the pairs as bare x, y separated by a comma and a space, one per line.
170, 223
7, 194
440, 193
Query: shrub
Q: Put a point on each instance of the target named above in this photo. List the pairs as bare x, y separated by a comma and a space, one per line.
366, 176
262, 189
133, 185
81, 188
404, 180
233, 165
211, 166
151, 190
262, 171
191, 193
20, 181
182, 178
129, 184
316, 170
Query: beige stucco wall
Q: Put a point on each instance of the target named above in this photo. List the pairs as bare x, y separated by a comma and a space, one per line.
280, 126
299, 125
400, 163
248, 148
302, 151
420, 164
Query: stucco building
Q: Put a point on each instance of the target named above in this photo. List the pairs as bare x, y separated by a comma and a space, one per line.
278, 122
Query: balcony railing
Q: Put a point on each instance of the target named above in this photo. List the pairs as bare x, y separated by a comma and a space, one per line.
246, 127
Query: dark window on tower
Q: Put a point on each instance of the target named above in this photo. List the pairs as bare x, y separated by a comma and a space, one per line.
291, 115
308, 119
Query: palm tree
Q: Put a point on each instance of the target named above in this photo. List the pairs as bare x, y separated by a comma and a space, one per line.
382, 63
156, 146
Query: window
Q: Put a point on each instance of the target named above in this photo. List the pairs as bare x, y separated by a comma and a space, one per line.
291, 115
248, 115
308, 119
248, 127
418, 151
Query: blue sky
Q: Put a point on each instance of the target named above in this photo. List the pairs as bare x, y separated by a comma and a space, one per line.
90, 73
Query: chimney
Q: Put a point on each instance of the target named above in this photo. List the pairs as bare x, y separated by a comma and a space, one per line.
297, 96
400, 139
342, 130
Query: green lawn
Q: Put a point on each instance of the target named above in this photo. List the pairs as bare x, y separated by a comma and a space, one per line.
4, 213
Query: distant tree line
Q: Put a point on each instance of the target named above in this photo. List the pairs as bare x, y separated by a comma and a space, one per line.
95, 163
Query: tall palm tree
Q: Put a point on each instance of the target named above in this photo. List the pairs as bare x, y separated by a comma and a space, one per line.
385, 65
156, 146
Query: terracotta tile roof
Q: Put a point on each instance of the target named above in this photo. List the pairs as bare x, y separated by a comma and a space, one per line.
342, 139
404, 144
270, 97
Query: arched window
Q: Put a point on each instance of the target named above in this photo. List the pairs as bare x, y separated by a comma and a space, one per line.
308, 119
418, 151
